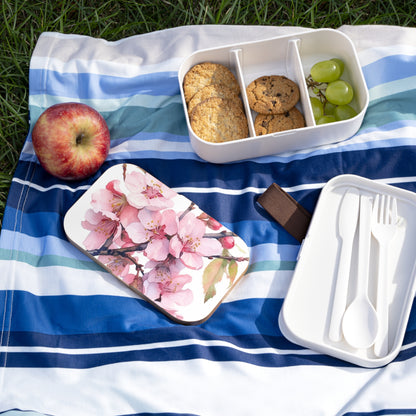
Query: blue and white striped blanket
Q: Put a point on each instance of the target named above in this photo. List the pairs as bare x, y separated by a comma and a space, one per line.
75, 341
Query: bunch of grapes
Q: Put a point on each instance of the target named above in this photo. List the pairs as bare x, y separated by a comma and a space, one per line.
330, 95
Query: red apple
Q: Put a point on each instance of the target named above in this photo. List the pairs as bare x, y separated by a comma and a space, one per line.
71, 140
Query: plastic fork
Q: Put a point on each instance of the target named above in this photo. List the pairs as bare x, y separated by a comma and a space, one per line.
383, 228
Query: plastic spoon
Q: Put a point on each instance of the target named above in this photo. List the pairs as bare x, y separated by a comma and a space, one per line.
347, 224
360, 322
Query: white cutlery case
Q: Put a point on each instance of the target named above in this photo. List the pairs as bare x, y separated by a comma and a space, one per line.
309, 304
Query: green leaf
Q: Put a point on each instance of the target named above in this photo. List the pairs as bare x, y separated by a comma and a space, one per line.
232, 271
213, 274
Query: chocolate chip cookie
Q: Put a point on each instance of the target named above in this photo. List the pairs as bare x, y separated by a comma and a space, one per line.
272, 123
272, 94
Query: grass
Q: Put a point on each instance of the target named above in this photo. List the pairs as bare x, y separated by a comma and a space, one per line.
25, 20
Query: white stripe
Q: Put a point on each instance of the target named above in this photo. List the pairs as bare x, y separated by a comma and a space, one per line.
390, 88
155, 345
49, 188
132, 68
397, 136
200, 190
370, 55
152, 145
163, 345
105, 104
198, 386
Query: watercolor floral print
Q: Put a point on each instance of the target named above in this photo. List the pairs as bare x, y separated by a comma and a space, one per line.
159, 242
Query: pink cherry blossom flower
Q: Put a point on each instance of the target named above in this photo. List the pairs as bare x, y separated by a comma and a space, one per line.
190, 245
164, 284
148, 192
101, 227
118, 265
134, 280
113, 200
154, 227
110, 199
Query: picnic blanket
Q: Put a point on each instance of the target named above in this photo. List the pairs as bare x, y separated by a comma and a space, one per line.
75, 341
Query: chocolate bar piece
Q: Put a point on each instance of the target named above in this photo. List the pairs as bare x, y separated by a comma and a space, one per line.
292, 216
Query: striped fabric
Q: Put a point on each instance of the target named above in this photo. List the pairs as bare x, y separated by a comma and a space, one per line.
74, 341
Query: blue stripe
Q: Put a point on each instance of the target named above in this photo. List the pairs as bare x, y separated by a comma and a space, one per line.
114, 314
94, 86
39, 246
389, 68
88, 315
42, 224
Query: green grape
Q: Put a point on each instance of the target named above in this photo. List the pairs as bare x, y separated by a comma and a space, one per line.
317, 107
340, 63
329, 109
325, 71
344, 112
326, 119
339, 92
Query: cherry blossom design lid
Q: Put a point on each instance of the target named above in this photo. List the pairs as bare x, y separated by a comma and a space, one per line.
157, 242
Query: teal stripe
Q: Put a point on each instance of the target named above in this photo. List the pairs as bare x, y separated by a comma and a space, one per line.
47, 260
132, 120
269, 265
395, 107
53, 260
129, 121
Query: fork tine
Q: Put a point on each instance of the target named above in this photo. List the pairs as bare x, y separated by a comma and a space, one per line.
386, 209
376, 212
383, 210
393, 211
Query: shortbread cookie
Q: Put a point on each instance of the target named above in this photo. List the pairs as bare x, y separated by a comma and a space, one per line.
272, 123
206, 73
272, 94
213, 90
219, 120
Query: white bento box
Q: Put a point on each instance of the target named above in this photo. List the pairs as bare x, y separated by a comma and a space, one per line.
292, 56
313, 303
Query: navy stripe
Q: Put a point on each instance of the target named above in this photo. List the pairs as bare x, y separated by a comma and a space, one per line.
374, 163
381, 412
180, 353
382, 163
161, 414
163, 354
146, 336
